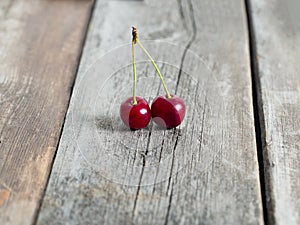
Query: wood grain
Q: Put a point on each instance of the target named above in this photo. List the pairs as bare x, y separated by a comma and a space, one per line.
40, 44
276, 30
205, 171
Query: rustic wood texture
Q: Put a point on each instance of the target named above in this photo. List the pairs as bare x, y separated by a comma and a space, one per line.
206, 171
40, 44
276, 26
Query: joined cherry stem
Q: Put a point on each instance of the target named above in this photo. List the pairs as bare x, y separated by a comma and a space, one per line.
134, 102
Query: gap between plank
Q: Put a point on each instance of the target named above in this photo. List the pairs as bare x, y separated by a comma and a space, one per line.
260, 130
91, 12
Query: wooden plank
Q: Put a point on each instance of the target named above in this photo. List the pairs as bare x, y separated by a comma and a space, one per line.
40, 44
206, 171
276, 35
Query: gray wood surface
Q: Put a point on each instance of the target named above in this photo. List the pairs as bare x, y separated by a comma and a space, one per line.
38, 60
206, 171
276, 26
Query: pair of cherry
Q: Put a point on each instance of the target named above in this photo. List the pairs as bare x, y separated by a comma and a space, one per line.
167, 111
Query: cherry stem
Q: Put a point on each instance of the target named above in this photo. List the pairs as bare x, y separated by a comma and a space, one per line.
134, 75
155, 66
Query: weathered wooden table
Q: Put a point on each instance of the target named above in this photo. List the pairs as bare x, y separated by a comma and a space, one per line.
65, 67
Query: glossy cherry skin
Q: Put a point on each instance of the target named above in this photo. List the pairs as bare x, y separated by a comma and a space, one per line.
135, 116
168, 112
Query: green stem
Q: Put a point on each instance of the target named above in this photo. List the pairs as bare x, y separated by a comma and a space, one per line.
134, 75
156, 68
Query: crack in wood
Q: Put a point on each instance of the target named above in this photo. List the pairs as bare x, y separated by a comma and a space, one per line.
169, 208
173, 159
202, 128
187, 47
170, 181
159, 160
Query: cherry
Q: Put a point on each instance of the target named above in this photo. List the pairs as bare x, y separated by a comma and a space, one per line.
135, 116
135, 111
168, 112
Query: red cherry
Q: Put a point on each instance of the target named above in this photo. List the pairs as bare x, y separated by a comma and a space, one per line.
168, 112
135, 116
